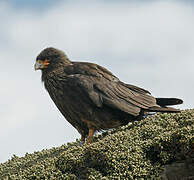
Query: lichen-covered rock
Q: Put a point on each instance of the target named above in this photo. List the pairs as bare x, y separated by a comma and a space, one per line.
179, 170
142, 150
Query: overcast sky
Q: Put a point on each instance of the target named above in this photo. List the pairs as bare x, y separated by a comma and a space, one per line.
149, 44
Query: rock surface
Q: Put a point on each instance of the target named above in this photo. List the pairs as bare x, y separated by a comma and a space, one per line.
179, 171
153, 148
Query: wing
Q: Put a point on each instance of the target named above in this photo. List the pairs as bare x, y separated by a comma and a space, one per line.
121, 97
103, 88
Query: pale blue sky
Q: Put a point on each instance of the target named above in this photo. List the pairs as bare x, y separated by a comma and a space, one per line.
32, 3
147, 44
46, 3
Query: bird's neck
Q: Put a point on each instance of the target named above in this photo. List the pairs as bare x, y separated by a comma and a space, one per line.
53, 71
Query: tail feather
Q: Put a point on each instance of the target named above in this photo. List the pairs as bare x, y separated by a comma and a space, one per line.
168, 101
163, 109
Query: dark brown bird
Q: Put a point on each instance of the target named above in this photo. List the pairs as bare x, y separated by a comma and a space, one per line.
91, 98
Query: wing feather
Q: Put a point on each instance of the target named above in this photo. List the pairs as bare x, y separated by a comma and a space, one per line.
103, 88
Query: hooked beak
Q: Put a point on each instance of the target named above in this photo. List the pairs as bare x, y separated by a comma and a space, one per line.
38, 65
41, 64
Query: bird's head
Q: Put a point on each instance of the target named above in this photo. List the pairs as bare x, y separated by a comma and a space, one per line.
49, 58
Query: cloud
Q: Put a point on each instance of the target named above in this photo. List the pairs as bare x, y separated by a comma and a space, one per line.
146, 44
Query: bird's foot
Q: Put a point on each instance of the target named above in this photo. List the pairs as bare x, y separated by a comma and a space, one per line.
82, 140
81, 143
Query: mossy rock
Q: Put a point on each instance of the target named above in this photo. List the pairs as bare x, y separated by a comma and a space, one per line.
137, 151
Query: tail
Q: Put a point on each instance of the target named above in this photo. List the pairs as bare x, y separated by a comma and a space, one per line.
164, 109
164, 102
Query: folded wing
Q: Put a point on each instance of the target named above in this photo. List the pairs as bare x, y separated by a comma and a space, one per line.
103, 88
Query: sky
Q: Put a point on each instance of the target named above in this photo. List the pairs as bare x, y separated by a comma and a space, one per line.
144, 43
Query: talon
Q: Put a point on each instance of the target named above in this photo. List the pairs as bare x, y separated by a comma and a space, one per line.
82, 140
81, 143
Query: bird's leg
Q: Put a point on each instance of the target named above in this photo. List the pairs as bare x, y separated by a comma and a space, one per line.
91, 128
90, 135
141, 115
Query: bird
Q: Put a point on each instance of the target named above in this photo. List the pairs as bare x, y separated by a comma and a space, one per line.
91, 98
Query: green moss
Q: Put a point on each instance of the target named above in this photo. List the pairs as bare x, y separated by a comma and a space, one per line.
137, 151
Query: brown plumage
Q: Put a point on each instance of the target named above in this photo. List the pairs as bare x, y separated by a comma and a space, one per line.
91, 98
